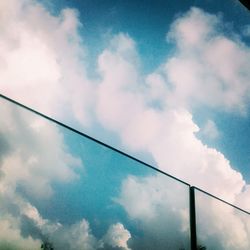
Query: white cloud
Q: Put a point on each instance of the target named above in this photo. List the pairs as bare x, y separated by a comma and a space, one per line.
41, 62
152, 193
44, 54
29, 227
183, 31
167, 133
208, 67
214, 225
127, 105
10, 237
115, 93
117, 236
33, 157
76, 236
36, 156
159, 206
28, 230
151, 113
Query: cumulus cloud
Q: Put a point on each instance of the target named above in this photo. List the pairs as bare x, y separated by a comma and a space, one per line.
159, 205
28, 230
30, 165
214, 225
10, 237
117, 236
31, 162
151, 113
208, 67
16, 230
44, 54
167, 133
159, 121
76, 236
34, 157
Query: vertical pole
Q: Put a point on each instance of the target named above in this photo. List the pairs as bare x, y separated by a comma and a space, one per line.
193, 236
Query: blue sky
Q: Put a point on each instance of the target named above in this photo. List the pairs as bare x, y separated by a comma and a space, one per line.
165, 81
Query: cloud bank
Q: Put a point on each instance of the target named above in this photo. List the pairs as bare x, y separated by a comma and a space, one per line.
33, 158
44, 54
125, 105
30, 165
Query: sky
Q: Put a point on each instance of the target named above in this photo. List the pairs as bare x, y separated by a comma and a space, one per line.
165, 81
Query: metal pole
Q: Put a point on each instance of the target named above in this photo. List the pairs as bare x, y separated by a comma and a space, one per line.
193, 235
